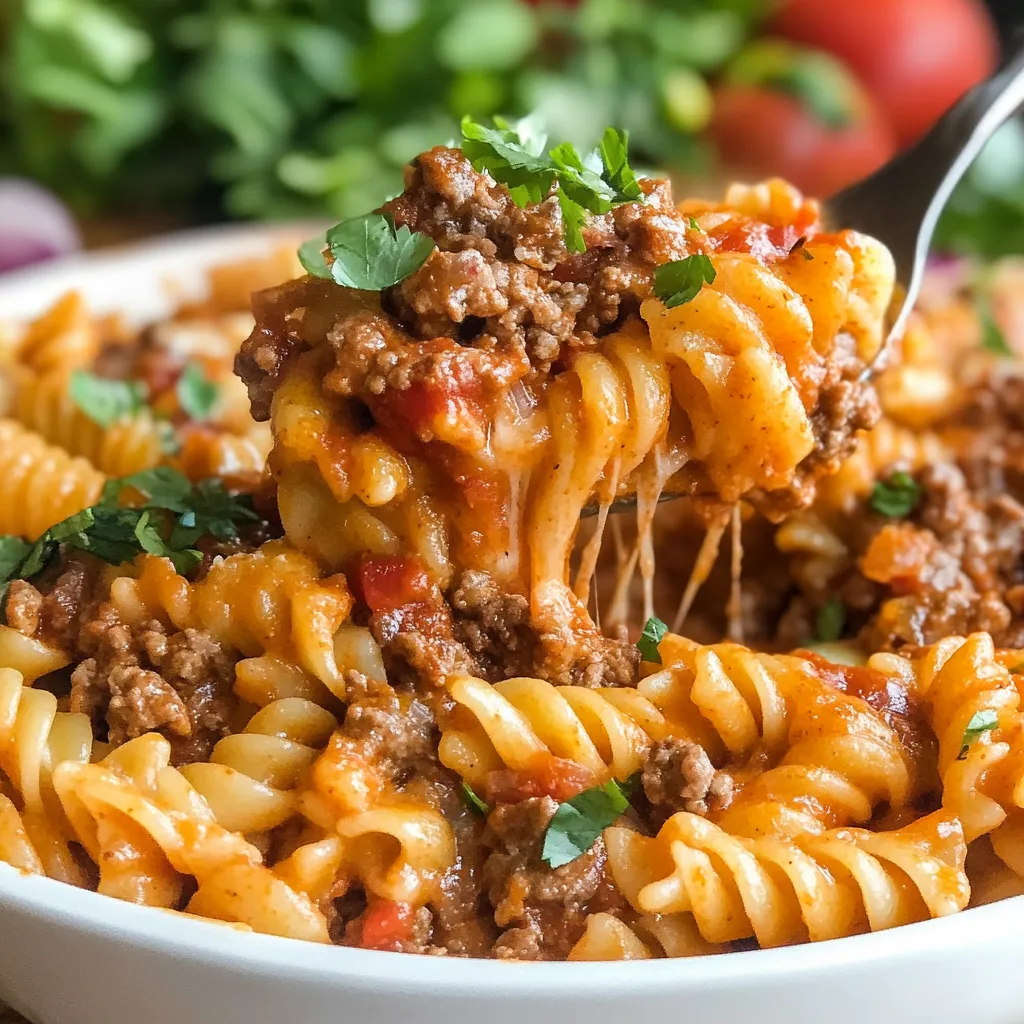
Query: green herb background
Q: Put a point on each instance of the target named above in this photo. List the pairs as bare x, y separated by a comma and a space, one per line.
279, 108
205, 109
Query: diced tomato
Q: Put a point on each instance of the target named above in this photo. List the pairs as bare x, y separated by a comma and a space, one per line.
387, 582
917, 57
553, 776
882, 692
387, 925
448, 403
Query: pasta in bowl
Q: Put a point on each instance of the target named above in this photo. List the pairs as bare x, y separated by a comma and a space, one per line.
231, 725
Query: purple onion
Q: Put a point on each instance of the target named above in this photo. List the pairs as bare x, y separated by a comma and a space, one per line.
34, 225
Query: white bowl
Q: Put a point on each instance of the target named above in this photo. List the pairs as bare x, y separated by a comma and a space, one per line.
73, 957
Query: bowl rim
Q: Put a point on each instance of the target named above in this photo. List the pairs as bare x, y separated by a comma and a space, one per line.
190, 938
242, 952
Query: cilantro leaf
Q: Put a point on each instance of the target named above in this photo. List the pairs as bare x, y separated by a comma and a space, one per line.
896, 497
578, 822
161, 487
106, 401
217, 511
197, 394
981, 722
470, 798
830, 620
681, 280
173, 516
619, 176
653, 631
992, 338
510, 158
13, 552
573, 219
516, 159
371, 254
311, 256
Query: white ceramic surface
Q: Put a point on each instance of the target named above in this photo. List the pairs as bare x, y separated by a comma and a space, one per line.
73, 957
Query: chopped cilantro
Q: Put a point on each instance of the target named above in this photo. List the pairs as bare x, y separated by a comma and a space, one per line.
897, 496
981, 722
830, 620
311, 256
694, 226
197, 394
617, 173
106, 401
514, 156
578, 822
992, 338
653, 631
681, 280
173, 515
472, 801
370, 253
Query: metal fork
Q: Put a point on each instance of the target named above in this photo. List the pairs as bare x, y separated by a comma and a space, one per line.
901, 203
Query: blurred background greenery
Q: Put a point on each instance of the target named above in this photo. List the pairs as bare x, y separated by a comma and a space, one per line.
205, 109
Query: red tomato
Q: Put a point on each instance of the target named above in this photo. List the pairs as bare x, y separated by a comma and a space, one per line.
917, 57
387, 925
760, 131
554, 776
386, 582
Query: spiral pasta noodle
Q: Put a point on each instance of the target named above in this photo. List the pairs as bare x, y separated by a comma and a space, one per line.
270, 601
962, 681
34, 739
146, 829
44, 404
396, 845
64, 337
39, 484
809, 887
251, 777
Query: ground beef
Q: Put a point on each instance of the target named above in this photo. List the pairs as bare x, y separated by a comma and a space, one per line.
679, 775
580, 655
541, 910
52, 609
494, 627
136, 679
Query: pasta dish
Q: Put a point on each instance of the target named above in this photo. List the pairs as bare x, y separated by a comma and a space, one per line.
354, 614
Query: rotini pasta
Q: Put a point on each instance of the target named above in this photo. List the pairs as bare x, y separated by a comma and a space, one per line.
272, 601
814, 887
332, 665
41, 484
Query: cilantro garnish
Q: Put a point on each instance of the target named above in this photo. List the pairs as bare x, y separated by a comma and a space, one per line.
681, 280
830, 621
368, 253
173, 516
106, 401
197, 394
470, 798
981, 722
897, 496
992, 338
514, 156
653, 631
578, 822
614, 150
